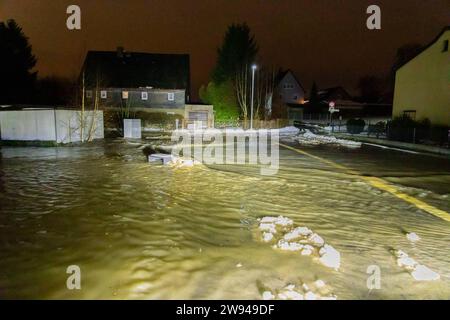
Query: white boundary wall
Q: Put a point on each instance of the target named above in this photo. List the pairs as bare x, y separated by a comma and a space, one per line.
61, 126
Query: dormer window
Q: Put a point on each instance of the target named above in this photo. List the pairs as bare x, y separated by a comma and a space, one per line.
144, 95
103, 94
445, 47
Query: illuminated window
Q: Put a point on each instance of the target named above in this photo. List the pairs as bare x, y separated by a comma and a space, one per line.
103, 94
144, 95
445, 48
410, 114
124, 94
171, 96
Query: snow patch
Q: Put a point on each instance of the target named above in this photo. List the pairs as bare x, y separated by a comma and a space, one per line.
311, 139
288, 131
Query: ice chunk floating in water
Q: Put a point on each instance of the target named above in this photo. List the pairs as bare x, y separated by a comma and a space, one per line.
330, 257
413, 237
301, 292
419, 272
280, 230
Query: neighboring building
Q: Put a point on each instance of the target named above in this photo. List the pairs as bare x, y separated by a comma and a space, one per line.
422, 85
333, 94
122, 69
158, 83
289, 89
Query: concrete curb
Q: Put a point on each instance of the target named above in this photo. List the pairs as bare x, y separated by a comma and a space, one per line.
397, 144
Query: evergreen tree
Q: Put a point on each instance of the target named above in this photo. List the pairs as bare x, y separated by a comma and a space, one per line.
238, 50
16, 64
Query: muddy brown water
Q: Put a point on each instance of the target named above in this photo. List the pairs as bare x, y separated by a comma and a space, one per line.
156, 232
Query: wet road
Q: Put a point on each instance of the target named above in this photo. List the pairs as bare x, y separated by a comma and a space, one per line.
143, 231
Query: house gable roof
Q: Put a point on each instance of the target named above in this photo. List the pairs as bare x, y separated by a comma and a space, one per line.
447, 28
123, 69
334, 93
282, 75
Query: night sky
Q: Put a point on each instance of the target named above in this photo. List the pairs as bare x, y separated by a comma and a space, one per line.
322, 40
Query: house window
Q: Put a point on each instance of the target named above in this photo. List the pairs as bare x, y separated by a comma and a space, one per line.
171, 96
124, 94
144, 95
103, 94
445, 48
410, 114
89, 94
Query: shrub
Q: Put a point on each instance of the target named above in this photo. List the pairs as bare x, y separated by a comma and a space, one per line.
223, 98
355, 126
405, 129
378, 128
401, 129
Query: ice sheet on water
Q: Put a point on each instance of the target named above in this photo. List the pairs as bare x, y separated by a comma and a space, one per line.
418, 271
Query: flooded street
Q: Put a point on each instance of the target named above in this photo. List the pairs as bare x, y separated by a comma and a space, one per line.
157, 232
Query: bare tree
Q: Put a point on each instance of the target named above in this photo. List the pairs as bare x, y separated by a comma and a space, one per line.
241, 85
264, 87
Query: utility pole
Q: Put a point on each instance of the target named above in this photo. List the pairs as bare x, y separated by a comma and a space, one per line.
253, 95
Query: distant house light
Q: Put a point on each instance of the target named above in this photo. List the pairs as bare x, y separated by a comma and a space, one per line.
103, 94
124, 94
144, 95
171, 96
88, 94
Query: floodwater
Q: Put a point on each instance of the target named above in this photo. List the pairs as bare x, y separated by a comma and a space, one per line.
141, 231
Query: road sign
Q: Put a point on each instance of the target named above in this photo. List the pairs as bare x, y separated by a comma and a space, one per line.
333, 110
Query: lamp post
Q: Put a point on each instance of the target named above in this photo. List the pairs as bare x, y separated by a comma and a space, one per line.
253, 96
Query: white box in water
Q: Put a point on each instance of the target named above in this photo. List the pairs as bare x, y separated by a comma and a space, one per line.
160, 157
132, 128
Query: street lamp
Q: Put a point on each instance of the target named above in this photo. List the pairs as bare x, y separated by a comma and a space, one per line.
253, 95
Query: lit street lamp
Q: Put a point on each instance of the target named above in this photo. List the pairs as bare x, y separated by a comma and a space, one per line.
253, 95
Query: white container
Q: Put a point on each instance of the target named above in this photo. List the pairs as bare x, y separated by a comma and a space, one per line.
132, 129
